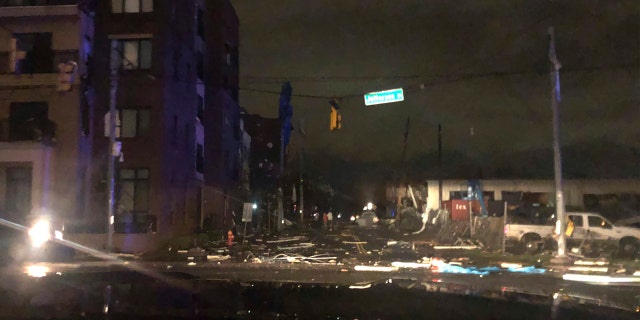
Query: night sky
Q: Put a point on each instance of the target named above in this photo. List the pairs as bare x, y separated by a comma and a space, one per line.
479, 68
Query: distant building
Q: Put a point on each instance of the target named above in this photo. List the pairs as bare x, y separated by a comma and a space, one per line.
589, 194
265, 153
44, 122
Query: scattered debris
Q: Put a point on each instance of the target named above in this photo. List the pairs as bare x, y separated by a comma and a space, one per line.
217, 257
456, 247
375, 268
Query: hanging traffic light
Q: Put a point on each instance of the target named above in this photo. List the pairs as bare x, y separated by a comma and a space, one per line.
335, 119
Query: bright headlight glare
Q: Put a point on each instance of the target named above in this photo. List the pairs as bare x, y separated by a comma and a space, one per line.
36, 271
40, 233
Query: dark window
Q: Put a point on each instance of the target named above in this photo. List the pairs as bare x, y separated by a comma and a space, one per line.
131, 6
200, 110
200, 23
200, 65
234, 93
29, 121
227, 53
199, 158
134, 54
458, 195
134, 122
234, 57
33, 53
597, 222
133, 191
577, 221
27, 3
132, 214
18, 194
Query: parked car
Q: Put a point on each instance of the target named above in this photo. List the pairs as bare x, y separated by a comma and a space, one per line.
587, 225
629, 222
366, 219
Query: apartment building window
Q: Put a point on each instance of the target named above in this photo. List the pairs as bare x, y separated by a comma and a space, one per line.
131, 6
200, 23
200, 65
133, 122
200, 109
134, 53
32, 53
29, 121
199, 158
29, 3
133, 191
227, 53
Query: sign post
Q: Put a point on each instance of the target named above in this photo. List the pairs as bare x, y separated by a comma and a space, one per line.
247, 214
387, 96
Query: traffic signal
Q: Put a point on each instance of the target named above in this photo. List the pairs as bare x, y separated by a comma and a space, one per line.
335, 119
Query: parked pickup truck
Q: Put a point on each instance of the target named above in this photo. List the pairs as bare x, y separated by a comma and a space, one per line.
587, 225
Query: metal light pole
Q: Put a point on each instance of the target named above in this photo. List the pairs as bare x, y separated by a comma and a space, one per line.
554, 77
113, 152
439, 166
303, 140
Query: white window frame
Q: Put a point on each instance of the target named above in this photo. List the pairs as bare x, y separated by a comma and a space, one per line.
132, 6
137, 42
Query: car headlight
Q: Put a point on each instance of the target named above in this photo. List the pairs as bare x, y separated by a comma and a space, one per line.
40, 232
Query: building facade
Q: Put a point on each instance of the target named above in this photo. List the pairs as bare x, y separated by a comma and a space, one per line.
579, 194
178, 115
43, 129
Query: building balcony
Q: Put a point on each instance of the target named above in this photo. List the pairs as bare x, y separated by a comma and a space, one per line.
35, 8
22, 75
30, 135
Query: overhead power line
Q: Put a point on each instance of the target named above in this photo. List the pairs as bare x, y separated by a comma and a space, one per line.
436, 79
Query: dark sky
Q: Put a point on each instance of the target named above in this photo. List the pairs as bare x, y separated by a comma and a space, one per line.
482, 65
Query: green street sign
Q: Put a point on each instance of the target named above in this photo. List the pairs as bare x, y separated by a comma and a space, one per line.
380, 97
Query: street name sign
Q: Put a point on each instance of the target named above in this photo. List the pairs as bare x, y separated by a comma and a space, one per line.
380, 97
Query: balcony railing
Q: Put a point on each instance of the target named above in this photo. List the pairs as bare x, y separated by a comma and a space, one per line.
59, 56
43, 132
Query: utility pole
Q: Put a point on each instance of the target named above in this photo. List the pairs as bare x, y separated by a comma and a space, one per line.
285, 113
302, 141
439, 166
554, 77
113, 147
280, 195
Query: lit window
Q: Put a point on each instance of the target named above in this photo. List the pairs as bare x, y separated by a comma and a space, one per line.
134, 122
134, 54
131, 6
